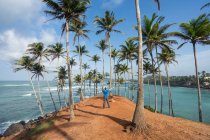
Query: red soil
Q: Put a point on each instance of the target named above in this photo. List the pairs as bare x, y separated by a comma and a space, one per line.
92, 122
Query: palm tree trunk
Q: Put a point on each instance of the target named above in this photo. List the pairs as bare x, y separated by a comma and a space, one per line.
115, 80
198, 85
169, 101
58, 91
84, 82
71, 111
128, 82
103, 68
118, 84
125, 85
161, 83
37, 99
110, 58
39, 95
132, 80
154, 78
138, 117
51, 95
149, 91
81, 93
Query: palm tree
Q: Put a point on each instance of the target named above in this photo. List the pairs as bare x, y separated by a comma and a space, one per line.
72, 63
95, 59
114, 55
117, 71
147, 70
129, 51
123, 70
81, 50
37, 71
56, 51
197, 31
26, 63
38, 51
205, 5
138, 117
167, 57
120, 82
85, 67
78, 29
90, 76
70, 11
61, 81
102, 46
107, 25
156, 36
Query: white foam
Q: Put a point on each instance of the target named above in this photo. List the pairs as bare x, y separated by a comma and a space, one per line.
15, 85
26, 95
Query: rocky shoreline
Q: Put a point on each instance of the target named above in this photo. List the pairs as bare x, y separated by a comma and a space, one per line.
22, 125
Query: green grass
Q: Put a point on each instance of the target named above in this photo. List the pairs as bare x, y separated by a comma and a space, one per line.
40, 128
150, 109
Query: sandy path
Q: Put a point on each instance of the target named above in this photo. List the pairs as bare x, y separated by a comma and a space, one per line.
92, 122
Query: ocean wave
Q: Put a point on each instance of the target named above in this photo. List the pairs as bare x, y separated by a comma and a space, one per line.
5, 125
15, 85
26, 95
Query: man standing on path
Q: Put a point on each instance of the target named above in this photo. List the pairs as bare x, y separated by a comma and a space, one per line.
106, 97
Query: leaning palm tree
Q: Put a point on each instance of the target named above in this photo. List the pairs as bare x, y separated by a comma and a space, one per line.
167, 57
102, 46
56, 51
37, 72
114, 55
107, 25
70, 11
138, 117
80, 51
197, 31
129, 50
85, 67
26, 63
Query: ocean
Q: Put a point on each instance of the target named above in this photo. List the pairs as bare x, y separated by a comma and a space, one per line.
17, 101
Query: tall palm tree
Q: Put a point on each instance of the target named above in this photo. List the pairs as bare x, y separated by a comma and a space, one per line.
85, 67
114, 55
106, 24
38, 52
138, 117
26, 63
167, 57
129, 50
70, 11
37, 71
61, 81
147, 70
56, 51
95, 59
197, 31
117, 71
123, 70
102, 46
156, 37
80, 51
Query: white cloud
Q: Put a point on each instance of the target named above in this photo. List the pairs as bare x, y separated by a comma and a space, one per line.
186, 64
24, 11
13, 45
111, 3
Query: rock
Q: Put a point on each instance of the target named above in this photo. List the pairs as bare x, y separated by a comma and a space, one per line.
1, 135
48, 115
13, 128
40, 118
29, 124
22, 122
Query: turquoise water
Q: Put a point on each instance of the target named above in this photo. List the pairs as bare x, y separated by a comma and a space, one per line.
17, 101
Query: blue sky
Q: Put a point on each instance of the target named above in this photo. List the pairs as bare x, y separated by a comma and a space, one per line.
24, 23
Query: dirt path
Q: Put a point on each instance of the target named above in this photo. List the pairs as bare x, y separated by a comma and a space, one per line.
92, 122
